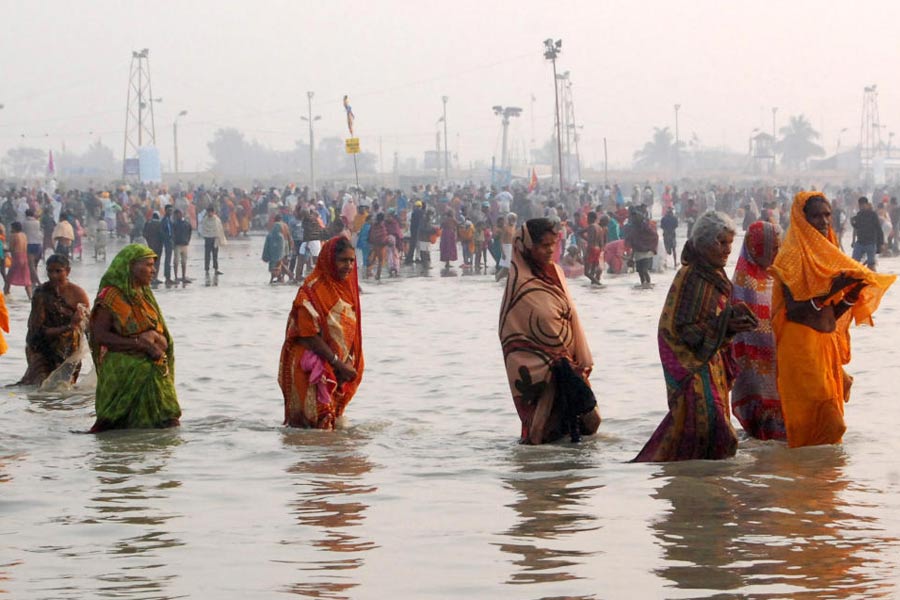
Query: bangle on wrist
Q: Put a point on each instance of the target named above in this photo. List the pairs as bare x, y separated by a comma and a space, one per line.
813, 302
846, 303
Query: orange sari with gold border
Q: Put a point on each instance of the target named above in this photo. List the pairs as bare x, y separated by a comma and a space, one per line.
330, 308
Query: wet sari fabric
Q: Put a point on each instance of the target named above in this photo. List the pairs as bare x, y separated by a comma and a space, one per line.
328, 307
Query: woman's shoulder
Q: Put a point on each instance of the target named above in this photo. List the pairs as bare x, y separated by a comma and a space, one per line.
107, 295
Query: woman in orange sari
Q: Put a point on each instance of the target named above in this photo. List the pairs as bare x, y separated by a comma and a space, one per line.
818, 290
245, 213
321, 362
231, 223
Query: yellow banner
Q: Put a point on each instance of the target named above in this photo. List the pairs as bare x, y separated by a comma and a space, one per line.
352, 145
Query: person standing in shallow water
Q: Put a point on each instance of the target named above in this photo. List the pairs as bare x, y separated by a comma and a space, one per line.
132, 348
321, 362
20, 269
696, 326
55, 323
544, 347
754, 398
181, 237
818, 290
213, 234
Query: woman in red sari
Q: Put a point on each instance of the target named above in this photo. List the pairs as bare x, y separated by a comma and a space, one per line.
321, 360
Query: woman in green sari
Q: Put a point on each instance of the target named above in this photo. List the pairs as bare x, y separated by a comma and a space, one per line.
132, 348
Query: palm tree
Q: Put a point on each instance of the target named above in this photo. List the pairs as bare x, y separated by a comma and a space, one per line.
796, 144
659, 152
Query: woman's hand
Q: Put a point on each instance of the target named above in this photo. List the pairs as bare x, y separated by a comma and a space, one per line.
742, 319
842, 280
152, 344
344, 372
79, 316
852, 294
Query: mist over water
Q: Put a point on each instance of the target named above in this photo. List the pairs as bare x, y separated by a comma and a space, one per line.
425, 493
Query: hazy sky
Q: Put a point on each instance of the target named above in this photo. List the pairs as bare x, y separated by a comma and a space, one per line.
248, 65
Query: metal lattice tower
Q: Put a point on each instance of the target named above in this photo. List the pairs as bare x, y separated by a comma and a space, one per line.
140, 127
572, 162
870, 129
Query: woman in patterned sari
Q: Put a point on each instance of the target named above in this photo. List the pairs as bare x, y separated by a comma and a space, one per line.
544, 348
695, 330
321, 362
754, 398
131, 347
58, 316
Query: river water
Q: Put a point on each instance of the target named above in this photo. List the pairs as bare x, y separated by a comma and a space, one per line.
426, 493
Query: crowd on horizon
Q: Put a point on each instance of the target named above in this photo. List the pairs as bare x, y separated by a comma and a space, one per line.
471, 225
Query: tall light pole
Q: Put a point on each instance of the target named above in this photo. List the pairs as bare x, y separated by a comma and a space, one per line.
506, 113
774, 138
446, 154
840, 133
312, 147
175, 136
677, 144
551, 51
562, 81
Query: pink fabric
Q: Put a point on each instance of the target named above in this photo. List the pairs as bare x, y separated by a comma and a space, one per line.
312, 363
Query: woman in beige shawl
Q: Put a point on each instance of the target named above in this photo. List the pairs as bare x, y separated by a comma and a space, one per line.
546, 354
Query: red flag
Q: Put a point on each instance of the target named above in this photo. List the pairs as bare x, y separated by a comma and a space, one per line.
532, 185
50, 169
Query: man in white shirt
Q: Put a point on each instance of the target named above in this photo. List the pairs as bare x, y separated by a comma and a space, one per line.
504, 200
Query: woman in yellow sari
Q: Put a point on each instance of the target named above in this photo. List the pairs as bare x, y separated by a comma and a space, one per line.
321, 362
132, 348
818, 290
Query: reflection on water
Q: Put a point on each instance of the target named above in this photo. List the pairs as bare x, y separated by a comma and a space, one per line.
551, 506
330, 499
6, 569
132, 489
70, 400
782, 525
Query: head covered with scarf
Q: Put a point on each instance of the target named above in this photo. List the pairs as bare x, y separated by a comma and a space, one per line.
808, 262
705, 232
523, 245
324, 287
752, 283
326, 271
123, 299
118, 274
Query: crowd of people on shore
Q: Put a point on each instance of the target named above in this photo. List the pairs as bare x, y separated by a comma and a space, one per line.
470, 226
719, 337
